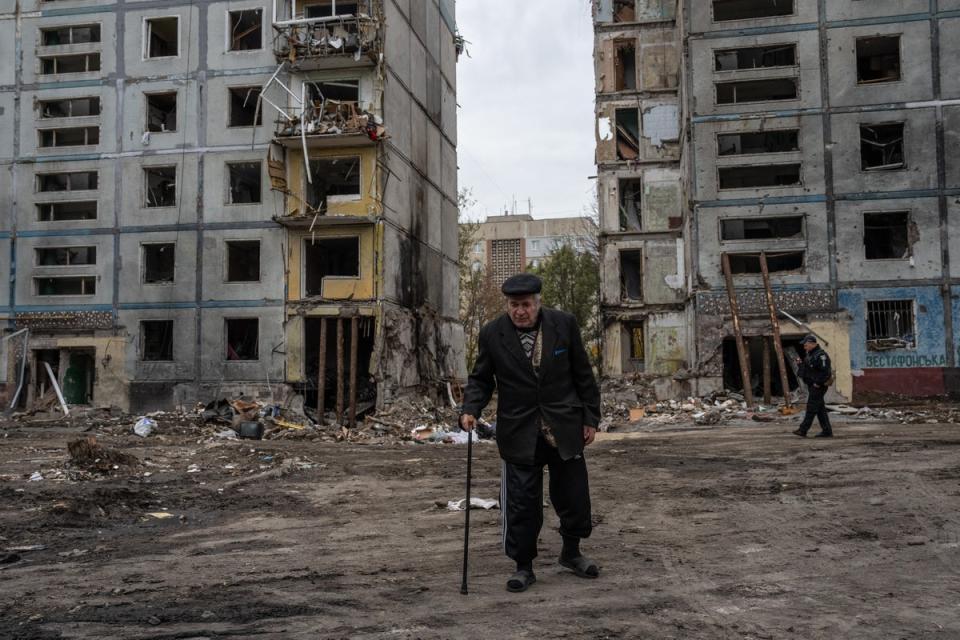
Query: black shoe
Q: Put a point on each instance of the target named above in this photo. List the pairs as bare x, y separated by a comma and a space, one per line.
581, 566
800, 432
824, 434
520, 581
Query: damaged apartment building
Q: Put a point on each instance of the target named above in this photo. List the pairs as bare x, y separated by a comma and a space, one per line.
213, 198
811, 139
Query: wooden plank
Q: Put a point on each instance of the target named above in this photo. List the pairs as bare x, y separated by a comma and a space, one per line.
354, 329
738, 333
322, 370
777, 344
339, 371
767, 394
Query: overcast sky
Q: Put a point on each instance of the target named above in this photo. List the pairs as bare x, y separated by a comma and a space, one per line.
526, 105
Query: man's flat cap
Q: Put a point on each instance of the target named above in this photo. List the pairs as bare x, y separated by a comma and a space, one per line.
522, 284
809, 339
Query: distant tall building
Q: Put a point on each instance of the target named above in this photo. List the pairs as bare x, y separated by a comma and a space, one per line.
819, 134
509, 244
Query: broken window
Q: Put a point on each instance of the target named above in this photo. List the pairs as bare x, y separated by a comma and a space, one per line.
631, 274
878, 59
156, 340
161, 186
761, 228
243, 107
69, 108
65, 256
756, 90
750, 9
69, 137
66, 211
66, 286
244, 187
631, 191
628, 134
881, 147
76, 63
79, 34
334, 180
330, 257
161, 37
158, 263
243, 260
161, 111
624, 11
755, 57
625, 65
329, 8
243, 338
776, 141
245, 29
890, 325
886, 236
749, 263
340, 90
770, 175
67, 181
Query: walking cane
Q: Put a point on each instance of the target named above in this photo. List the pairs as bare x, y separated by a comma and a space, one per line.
466, 511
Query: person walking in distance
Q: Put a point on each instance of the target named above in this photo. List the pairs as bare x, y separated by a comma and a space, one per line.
815, 370
548, 410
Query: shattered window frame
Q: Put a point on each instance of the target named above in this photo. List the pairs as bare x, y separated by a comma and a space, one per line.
793, 132
148, 42
884, 229
240, 97
43, 284
65, 256
72, 32
60, 210
52, 65
228, 247
731, 169
232, 190
774, 219
862, 59
164, 341
308, 278
145, 257
359, 4
772, 265
621, 68
878, 146
65, 107
86, 136
44, 178
240, 15
721, 91
764, 49
153, 95
627, 186
714, 3
309, 188
633, 256
627, 133
149, 198
883, 319
228, 324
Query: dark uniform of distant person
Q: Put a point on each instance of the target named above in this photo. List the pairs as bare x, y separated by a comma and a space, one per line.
548, 409
816, 371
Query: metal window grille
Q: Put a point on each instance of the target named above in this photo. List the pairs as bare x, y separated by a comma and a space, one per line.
891, 324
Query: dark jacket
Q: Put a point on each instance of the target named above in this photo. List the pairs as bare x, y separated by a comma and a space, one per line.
815, 368
565, 393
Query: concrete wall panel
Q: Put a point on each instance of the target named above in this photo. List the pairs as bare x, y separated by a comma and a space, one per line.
213, 343
131, 258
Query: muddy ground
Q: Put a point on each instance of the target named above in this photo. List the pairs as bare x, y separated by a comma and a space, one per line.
735, 531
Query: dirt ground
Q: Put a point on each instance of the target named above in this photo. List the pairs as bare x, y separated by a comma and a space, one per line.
734, 531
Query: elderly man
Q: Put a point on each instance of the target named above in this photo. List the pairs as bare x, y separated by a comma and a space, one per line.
816, 371
548, 409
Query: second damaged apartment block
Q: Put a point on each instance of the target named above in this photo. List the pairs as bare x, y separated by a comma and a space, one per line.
297, 223
816, 135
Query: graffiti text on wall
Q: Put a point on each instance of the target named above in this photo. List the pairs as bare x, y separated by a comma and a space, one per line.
890, 360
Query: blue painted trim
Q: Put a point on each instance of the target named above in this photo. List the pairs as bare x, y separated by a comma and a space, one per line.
103, 8
230, 304
759, 31
135, 306
48, 233
59, 307
732, 117
747, 202
889, 195
861, 22
72, 84
837, 24
255, 224
6, 235
63, 158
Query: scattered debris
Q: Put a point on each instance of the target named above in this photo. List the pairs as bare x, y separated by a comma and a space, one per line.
475, 503
160, 515
36, 476
87, 454
144, 427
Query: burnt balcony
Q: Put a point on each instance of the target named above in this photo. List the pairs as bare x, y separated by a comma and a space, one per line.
326, 34
328, 123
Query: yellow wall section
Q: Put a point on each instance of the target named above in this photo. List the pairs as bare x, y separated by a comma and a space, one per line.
838, 335
338, 288
366, 205
295, 338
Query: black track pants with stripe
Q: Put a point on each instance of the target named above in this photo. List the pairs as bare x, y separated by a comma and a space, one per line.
521, 500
